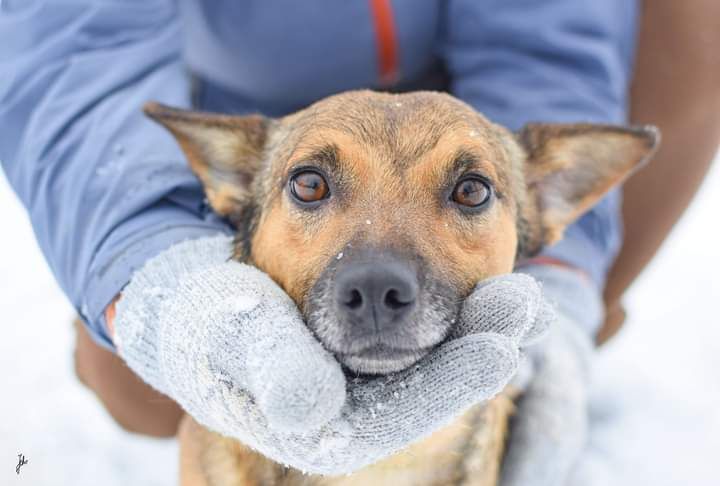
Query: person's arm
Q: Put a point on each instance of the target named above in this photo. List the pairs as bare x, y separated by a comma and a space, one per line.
105, 188
557, 61
677, 88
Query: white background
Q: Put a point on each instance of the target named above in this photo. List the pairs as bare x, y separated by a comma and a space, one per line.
656, 390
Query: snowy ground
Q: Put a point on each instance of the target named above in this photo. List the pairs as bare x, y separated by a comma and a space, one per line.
657, 392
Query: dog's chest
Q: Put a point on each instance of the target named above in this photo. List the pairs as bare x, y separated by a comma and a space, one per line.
468, 452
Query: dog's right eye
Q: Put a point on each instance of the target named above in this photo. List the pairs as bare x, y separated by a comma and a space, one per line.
308, 187
472, 192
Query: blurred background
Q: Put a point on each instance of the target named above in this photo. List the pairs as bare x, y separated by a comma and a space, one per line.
656, 390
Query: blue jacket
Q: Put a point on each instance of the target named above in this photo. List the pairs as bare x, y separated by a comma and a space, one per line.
106, 189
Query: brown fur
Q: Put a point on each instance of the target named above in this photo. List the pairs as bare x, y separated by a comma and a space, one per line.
392, 158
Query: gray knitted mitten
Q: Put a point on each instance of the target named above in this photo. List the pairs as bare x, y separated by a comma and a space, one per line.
197, 327
550, 427
224, 341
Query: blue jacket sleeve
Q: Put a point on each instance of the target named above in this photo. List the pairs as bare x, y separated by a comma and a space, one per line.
104, 187
549, 61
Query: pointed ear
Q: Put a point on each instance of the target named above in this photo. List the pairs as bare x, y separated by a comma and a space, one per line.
225, 152
570, 167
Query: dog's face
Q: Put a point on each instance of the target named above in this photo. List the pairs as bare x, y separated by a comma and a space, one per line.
379, 213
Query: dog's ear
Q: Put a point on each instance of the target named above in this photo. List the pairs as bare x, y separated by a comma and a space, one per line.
569, 167
224, 151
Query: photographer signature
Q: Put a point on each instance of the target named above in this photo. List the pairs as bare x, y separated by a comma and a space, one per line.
21, 462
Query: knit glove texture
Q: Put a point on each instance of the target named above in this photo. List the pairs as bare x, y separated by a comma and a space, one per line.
549, 430
224, 341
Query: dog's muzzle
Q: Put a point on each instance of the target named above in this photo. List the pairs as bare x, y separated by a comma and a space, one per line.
378, 312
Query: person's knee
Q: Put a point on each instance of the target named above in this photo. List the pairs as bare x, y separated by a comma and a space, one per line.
161, 428
82, 357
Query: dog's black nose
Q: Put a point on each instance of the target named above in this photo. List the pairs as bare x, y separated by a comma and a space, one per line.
376, 296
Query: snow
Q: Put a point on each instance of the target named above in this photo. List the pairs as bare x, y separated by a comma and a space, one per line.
656, 393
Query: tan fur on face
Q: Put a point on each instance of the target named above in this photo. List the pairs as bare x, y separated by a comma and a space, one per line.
387, 198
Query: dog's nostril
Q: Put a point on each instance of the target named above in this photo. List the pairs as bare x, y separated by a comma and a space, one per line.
355, 300
393, 301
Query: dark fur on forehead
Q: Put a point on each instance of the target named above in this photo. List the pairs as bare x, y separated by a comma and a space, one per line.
379, 119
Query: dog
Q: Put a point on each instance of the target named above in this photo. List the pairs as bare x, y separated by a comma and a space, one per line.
378, 214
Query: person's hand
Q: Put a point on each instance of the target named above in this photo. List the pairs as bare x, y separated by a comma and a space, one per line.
224, 341
549, 429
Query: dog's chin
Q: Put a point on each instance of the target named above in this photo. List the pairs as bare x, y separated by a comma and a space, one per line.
381, 360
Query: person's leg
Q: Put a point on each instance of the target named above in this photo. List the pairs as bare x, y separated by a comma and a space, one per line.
134, 405
677, 88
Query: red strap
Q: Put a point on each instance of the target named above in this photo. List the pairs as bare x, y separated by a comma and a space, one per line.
386, 40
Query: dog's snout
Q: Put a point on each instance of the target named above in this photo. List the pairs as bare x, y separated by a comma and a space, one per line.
376, 296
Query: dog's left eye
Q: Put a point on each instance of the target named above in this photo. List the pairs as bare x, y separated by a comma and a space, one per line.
471, 192
309, 186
